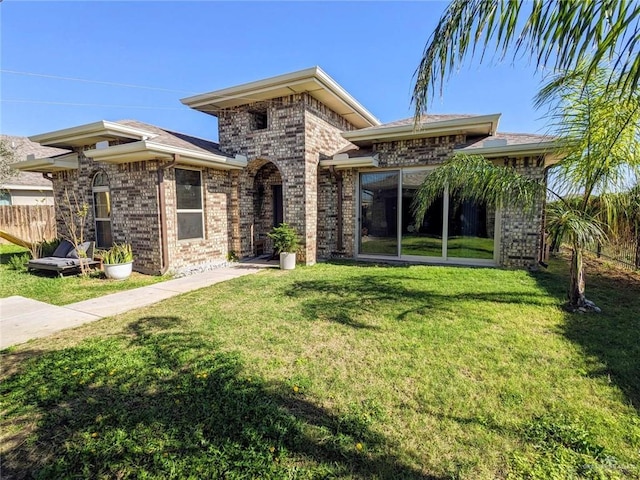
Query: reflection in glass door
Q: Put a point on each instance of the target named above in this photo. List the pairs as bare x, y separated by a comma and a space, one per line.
471, 229
379, 213
423, 238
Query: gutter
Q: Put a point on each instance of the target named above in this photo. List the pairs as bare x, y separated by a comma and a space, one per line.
164, 247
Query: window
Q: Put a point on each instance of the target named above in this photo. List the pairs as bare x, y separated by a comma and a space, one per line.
5, 198
452, 228
189, 204
258, 119
102, 209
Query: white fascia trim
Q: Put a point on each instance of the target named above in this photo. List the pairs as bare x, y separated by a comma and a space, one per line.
537, 148
48, 164
123, 154
425, 129
342, 161
315, 74
37, 188
102, 127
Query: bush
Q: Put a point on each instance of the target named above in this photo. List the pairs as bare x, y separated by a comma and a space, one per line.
47, 247
285, 238
19, 262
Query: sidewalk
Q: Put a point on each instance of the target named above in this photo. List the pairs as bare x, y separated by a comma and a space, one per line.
23, 319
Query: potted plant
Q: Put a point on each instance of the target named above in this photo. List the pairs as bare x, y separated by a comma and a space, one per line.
285, 243
118, 261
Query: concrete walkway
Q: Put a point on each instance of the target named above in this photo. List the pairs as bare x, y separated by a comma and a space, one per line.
22, 319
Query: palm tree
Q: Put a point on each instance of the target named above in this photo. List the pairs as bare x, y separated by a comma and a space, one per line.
558, 34
599, 142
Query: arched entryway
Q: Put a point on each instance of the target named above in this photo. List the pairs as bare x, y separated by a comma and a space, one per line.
268, 207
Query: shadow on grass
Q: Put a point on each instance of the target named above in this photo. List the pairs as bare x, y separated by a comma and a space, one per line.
612, 338
161, 403
349, 300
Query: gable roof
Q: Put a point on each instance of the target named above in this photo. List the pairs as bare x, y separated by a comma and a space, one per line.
22, 147
313, 81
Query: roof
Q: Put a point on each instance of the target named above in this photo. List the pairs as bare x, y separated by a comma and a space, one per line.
160, 143
175, 139
138, 142
503, 143
23, 147
429, 126
313, 81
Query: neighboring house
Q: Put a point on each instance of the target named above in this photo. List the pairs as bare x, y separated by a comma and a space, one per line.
26, 188
295, 148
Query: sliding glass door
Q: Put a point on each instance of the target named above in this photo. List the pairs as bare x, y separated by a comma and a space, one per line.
451, 230
379, 213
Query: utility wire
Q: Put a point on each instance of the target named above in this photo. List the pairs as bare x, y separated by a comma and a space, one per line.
14, 100
113, 84
126, 85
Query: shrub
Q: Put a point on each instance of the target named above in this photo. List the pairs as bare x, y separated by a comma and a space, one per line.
19, 262
118, 253
285, 238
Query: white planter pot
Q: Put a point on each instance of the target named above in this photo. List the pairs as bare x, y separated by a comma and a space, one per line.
287, 261
119, 271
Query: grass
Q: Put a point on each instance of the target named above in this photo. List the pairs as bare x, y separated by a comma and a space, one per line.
51, 288
338, 371
459, 247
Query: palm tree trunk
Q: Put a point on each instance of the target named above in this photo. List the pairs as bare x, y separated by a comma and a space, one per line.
576, 286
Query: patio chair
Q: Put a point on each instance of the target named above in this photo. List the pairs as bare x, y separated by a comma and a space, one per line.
65, 259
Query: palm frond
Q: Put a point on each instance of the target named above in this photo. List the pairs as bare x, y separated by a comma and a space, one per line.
559, 35
471, 177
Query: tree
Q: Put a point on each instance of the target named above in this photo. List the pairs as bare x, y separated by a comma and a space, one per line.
7, 157
558, 34
599, 142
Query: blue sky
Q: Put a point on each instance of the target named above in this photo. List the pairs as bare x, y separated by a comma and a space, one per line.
182, 48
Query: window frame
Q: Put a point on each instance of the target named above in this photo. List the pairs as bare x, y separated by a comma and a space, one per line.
445, 230
190, 210
101, 189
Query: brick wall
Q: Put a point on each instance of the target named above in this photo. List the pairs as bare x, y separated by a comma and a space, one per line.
134, 210
299, 129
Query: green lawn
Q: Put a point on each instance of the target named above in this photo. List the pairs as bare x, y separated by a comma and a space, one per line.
459, 247
338, 371
52, 289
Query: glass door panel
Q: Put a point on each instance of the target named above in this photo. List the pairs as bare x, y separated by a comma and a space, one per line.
379, 213
471, 229
421, 238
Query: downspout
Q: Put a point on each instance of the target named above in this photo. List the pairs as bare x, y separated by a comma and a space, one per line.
164, 258
338, 176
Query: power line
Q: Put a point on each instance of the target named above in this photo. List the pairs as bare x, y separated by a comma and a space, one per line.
113, 84
15, 100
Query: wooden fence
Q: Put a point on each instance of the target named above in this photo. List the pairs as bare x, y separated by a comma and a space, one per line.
29, 222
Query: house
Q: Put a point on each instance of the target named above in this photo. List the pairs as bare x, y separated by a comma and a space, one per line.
296, 148
26, 188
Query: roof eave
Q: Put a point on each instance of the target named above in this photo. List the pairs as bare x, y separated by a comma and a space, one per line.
147, 150
480, 125
311, 80
537, 148
48, 164
342, 161
90, 133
